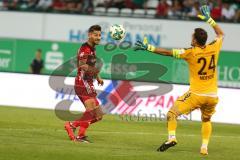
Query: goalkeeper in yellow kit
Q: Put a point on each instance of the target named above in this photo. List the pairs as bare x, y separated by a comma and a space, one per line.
202, 59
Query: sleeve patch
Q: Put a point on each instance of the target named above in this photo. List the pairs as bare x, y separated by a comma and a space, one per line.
177, 52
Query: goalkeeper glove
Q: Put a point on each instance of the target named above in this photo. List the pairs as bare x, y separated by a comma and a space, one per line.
206, 15
144, 45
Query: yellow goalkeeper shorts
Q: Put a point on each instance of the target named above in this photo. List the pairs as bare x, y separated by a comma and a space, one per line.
190, 101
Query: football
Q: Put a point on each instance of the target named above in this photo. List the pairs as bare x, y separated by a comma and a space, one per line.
117, 32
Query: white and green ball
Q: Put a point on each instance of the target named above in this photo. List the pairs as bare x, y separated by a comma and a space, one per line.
117, 32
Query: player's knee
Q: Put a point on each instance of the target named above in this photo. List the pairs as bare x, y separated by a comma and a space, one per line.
206, 118
99, 113
171, 115
91, 104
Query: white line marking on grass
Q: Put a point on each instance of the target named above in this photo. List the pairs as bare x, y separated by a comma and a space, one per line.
114, 132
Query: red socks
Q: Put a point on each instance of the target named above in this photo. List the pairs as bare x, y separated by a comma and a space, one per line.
83, 128
88, 117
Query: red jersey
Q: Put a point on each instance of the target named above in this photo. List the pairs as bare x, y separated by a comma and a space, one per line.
88, 53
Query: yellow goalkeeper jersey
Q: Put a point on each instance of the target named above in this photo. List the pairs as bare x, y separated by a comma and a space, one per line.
203, 66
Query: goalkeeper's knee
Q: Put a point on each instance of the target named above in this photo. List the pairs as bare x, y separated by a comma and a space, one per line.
171, 115
206, 118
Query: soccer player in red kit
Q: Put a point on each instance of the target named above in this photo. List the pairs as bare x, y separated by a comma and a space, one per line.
84, 88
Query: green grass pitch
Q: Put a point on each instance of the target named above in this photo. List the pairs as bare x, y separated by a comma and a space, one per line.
32, 134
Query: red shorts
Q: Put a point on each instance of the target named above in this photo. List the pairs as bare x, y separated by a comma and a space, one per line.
85, 90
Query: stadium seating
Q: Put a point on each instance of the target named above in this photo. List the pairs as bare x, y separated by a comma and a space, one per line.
150, 9
138, 13
113, 12
150, 13
126, 12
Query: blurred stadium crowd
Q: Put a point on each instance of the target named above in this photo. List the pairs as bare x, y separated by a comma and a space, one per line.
221, 10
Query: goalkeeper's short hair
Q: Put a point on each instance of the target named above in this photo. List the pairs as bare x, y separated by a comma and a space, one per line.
201, 36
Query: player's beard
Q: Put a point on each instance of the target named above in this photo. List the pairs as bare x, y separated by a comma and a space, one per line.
96, 42
93, 42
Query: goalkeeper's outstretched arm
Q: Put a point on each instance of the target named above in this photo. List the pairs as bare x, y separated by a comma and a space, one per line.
139, 45
162, 51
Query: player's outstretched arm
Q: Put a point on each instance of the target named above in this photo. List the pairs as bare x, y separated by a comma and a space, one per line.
206, 17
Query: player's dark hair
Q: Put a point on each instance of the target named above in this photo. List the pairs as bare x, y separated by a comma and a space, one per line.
94, 28
201, 36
